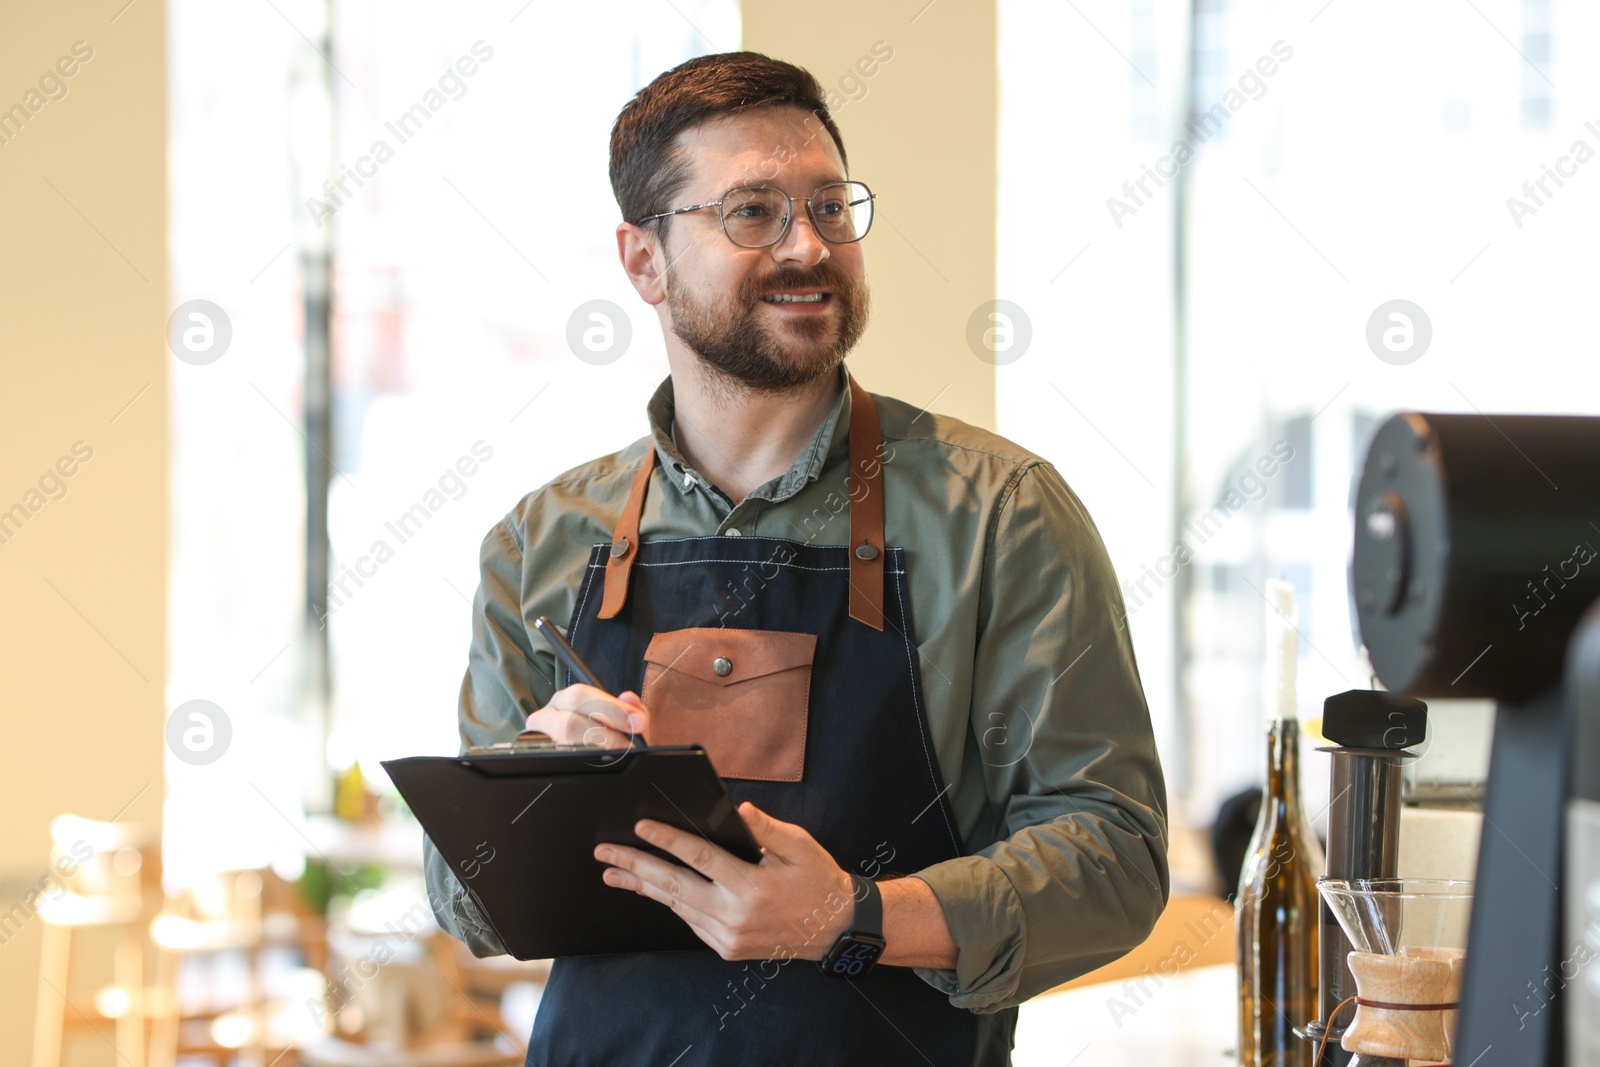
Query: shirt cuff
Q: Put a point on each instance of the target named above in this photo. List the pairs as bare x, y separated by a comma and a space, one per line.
988, 926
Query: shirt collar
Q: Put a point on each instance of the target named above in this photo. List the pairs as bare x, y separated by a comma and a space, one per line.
830, 437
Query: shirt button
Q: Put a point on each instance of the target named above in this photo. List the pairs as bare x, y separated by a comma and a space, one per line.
732, 531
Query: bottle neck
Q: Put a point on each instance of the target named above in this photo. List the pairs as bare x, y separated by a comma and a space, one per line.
1283, 765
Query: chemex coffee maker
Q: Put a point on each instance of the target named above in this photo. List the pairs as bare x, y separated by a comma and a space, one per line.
1373, 733
1475, 575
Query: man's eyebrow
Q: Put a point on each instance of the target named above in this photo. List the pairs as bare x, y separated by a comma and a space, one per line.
773, 183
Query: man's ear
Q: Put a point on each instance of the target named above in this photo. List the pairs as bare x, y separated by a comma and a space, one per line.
643, 260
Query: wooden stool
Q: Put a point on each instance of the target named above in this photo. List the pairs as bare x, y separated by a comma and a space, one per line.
414, 1005
230, 913
110, 880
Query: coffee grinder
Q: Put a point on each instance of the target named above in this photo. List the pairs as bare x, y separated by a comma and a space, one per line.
1475, 575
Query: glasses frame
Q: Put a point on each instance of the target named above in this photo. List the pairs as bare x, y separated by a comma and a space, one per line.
788, 216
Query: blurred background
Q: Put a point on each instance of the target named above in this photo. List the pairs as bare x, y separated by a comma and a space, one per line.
276, 276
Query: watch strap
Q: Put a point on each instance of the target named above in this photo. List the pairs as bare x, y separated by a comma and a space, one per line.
868, 918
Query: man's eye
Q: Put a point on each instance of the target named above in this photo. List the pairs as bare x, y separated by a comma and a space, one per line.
830, 209
749, 211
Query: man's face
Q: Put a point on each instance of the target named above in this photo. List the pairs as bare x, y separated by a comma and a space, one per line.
719, 295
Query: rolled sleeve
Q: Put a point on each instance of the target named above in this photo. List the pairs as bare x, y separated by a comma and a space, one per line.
1068, 759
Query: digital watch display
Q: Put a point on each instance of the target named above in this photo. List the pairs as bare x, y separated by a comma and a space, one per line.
859, 947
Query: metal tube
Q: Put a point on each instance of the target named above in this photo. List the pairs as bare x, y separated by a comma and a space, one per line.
1363, 842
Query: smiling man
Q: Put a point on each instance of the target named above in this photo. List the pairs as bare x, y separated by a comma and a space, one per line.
959, 806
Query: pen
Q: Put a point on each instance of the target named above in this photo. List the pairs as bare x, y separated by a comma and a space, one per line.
574, 662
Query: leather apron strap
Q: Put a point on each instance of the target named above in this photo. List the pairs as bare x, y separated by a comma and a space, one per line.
625, 540
866, 519
866, 513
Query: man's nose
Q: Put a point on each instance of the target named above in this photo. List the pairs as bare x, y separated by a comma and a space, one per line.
801, 244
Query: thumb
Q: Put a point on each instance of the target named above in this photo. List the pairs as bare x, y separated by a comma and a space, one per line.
768, 832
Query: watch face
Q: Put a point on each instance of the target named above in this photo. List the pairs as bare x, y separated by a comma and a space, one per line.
853, 956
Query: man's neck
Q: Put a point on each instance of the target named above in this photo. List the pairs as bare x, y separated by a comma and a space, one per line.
739, 439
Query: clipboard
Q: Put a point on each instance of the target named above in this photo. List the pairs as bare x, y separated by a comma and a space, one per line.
519, 830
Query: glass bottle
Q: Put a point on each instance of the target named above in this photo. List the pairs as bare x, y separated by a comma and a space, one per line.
1276, 912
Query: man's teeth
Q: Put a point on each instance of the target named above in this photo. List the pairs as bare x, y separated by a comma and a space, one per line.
787, 298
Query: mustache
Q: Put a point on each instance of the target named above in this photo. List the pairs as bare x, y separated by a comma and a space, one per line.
821, 276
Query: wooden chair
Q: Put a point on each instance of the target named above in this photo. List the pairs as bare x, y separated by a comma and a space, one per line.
231, 913
423, 1006
107, 884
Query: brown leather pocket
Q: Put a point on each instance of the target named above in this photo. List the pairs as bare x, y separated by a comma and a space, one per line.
743, 694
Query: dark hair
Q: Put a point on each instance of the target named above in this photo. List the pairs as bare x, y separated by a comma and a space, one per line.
649, 169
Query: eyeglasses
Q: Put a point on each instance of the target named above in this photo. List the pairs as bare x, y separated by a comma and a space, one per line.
757, 216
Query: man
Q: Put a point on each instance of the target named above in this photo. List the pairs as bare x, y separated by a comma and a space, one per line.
895, 634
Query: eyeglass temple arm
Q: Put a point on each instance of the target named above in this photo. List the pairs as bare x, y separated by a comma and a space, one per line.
676, 211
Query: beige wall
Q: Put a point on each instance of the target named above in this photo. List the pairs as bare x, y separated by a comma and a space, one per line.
922, 131
82, 315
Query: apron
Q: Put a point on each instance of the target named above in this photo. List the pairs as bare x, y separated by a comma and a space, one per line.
795, 666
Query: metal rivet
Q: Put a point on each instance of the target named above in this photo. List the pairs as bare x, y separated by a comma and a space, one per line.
620, 547
723, 666
866, 552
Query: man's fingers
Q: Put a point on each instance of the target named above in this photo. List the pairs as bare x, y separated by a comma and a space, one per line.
701, 923
700, 854
597, 734
598, 706
549, 721
659, 879
573, 727
776, 838
639, 715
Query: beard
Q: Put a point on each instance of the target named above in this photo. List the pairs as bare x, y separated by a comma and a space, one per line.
731, 339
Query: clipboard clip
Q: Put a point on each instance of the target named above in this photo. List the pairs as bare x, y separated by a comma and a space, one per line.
531, 741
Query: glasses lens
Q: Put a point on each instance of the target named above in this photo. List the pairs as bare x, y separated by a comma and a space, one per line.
842, 211
753, 217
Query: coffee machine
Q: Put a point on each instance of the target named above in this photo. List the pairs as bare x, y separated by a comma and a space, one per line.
1475, 575
1373, 733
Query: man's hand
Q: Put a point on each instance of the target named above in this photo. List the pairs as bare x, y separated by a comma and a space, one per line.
583, 714
797, 897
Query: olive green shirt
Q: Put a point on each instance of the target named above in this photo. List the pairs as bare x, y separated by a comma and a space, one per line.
1033, 696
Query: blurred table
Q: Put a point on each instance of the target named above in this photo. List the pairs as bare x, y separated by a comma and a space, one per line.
1186, 1020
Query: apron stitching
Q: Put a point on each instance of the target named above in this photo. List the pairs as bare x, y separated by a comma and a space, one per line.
577, 618
899, 589
759, 563
724, 537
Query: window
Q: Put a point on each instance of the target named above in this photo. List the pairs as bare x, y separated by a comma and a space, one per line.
469, 216
1185, 323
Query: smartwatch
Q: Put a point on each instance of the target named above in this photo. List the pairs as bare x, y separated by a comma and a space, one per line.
859, 947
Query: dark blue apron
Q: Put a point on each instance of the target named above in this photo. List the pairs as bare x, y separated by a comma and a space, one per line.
869, 791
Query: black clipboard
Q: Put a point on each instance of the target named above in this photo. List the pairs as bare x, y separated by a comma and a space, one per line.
519, 831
